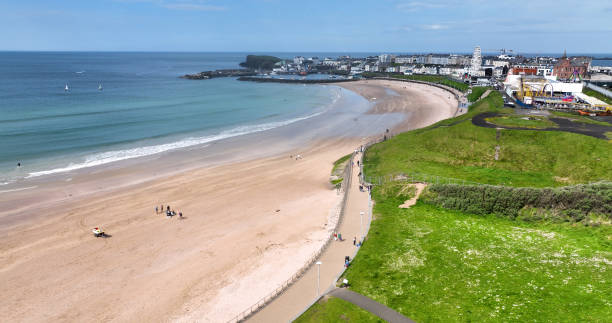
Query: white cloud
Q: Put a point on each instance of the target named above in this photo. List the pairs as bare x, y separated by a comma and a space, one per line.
433, 27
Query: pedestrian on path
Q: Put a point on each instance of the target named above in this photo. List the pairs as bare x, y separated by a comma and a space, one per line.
354, 241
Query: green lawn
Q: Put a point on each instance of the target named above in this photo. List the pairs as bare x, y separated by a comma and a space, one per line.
332, 309
438, 79
477, 92
455, 148
436, 265
435, 79
521, 121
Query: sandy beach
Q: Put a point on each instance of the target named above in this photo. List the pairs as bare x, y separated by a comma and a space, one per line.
249, 223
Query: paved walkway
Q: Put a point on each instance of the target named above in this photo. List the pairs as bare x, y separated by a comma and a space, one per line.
303, 292
370, 305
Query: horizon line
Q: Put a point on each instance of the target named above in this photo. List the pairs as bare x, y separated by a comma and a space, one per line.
282, 51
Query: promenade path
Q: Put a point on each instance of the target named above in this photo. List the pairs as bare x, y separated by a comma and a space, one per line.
304, 291
370, 305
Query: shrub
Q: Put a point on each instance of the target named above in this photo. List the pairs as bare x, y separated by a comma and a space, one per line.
574, 203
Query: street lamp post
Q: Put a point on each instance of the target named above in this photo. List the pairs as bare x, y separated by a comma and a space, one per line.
318, 276
361, 223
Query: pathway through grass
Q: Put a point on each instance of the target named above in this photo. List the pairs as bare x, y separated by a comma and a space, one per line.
435, 265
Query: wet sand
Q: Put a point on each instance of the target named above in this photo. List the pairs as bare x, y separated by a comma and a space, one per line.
253, 215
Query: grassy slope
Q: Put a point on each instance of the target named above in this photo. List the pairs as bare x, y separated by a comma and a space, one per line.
465, 151
522, 122
477, 92
435, 265
332, 309
338, 169
596, 94
436, 79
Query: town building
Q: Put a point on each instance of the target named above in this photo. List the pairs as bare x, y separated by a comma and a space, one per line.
384, 58
570, 69
476, 60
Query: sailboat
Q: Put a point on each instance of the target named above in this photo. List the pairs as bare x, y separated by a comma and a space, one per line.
100, 87
66, 88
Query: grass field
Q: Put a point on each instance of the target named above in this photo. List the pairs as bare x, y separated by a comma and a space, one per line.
332, 309
438, 79
477, 92
596, 94
455, 148
532, 122
435, 79
436, 265
578, 118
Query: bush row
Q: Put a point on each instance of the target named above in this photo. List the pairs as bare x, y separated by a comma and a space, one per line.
572, 202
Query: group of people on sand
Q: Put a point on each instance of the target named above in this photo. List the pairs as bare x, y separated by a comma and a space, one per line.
169, 212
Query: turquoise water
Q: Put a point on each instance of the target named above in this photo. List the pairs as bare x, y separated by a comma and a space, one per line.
142, 109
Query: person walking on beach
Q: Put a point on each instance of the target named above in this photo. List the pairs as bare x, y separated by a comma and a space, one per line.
156, 210
180, 215
354, 241
168, 208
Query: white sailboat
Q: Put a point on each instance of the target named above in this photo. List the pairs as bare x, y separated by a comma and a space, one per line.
66, 89
100, 87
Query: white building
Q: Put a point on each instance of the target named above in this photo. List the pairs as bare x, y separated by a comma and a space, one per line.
476, 61
499, 63
406, 68
445, 71
384, 58
545, 70
315, 60
403, 60
298, 60
330, 62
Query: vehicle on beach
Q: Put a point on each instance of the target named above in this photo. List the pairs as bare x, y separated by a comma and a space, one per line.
98, 232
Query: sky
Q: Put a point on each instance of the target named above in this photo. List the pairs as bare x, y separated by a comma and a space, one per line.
526, 26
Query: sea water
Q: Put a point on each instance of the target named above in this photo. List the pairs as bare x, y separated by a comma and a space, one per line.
143, 108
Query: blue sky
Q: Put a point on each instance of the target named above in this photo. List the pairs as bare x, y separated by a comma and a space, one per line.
527, 26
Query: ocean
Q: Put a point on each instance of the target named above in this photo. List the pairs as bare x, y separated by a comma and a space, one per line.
144, 108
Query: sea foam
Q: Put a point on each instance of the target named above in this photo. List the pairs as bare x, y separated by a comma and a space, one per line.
118, 155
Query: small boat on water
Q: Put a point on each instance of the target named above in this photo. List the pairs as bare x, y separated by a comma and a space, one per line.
66, 88
100, 87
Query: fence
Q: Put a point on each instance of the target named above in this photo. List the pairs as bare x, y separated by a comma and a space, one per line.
348, 171
458, 94
417, 178
599, 89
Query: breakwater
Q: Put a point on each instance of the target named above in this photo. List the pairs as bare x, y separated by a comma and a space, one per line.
298, 81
